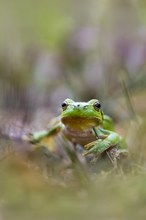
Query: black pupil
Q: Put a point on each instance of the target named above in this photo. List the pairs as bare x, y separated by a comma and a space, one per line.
97, 105
63, 104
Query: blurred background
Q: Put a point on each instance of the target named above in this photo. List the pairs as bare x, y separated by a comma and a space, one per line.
51, 50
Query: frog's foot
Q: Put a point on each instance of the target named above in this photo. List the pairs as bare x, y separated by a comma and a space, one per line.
97, 147
90, 145
30, 138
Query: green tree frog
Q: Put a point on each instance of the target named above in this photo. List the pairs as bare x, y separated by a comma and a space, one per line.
84, 123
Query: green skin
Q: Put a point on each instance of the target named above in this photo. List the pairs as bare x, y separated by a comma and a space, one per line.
84, 123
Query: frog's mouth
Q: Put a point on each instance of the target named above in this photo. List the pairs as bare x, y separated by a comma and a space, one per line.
81, 123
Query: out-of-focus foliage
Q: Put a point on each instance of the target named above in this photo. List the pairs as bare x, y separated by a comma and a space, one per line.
51, 50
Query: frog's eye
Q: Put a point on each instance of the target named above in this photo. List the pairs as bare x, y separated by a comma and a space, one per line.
97, 106
64, 105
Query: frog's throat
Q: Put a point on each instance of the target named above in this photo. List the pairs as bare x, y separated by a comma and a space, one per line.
81, 123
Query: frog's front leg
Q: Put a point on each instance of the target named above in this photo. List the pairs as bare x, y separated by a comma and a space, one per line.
107, 140
37, 136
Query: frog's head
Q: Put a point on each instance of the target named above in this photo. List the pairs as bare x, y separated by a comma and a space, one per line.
81, 115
